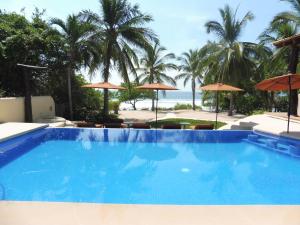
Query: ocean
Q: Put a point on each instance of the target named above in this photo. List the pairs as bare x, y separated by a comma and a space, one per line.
168, 101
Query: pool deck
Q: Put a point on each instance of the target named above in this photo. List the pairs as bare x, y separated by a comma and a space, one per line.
268, 124
9, 130
36, 213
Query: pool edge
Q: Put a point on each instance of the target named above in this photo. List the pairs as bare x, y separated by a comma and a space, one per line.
46, 213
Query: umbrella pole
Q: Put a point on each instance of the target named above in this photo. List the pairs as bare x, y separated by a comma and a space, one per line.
156, 108
289, 110
217, 110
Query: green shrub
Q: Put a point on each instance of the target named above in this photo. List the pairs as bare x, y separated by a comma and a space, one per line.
179, 106
282, 104
114, 106
248, 104
258, 112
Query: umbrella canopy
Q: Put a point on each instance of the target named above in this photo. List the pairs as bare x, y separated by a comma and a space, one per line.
281, 83
104, 85
220, 87
217, 87
157, 87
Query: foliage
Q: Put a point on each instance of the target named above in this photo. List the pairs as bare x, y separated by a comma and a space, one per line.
185, 106
153, 67
192, 69
133, 95
2, 92
121, 28
182, 106
114, 106
192, 122
258, 112
248, 104
78, 46
281, 104
35, 42
230, 61
86, 101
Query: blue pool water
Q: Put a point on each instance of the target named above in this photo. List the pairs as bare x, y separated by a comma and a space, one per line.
150, 167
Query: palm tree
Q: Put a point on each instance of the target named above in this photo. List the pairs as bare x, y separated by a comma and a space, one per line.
274, 62
232, 60
121, 28
80, 48
154, 65
279, 57
192, 68
293, 17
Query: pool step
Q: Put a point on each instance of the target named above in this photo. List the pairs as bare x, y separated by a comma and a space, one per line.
274, 145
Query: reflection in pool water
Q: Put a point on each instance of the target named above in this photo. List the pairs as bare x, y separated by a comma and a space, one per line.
146, 167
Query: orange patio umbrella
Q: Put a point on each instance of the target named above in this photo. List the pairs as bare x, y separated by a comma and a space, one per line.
286, 82
104, 85
217, 87
157, 87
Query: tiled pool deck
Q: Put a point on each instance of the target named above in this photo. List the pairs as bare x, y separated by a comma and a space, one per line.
35, 213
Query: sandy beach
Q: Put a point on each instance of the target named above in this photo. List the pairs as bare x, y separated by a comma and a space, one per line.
144, 116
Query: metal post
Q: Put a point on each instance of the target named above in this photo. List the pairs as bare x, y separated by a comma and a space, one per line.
217, 109
156, 108
27, 98
290, 100
27, 84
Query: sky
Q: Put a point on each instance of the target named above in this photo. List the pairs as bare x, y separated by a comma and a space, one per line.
178, 23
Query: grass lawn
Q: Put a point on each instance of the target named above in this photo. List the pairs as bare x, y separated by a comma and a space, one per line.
178, 120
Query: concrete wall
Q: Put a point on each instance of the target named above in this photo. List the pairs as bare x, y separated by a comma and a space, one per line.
298, 111
12, 109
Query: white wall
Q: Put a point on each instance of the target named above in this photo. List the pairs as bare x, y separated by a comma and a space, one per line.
298, 110
12, 109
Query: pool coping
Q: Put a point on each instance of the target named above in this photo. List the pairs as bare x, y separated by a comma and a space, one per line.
49, 213
12, 130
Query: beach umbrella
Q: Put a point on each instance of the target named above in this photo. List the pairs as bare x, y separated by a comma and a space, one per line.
104, 85
287, 82
156, 87
217, 87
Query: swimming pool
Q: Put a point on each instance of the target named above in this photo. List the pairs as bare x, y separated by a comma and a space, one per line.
127, 166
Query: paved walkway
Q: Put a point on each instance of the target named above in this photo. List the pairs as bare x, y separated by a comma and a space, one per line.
35, 213
145, 116
9, 130
268, 124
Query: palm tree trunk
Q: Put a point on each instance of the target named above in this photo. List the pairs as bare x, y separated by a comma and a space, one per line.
106, 75
194, 93
230, 112
70, 73
293, 69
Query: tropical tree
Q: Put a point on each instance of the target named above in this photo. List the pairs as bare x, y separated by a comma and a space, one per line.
154, 65
80, 47
192, 69
232, 60
274, 62
122, 30
292, 16
133, 95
